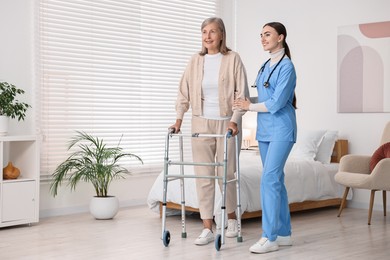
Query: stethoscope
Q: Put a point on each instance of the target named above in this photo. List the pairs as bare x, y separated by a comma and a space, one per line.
266, 84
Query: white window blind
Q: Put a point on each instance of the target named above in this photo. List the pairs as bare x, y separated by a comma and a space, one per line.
112, 68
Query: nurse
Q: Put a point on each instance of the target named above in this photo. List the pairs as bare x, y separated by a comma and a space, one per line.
276, 135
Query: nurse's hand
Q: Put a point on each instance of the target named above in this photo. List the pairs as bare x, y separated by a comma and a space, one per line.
241, 104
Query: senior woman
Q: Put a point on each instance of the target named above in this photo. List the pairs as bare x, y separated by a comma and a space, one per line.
213, 78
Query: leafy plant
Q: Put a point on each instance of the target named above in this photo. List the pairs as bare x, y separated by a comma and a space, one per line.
9, 105
93, 162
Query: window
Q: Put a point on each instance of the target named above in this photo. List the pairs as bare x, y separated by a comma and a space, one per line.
112, 68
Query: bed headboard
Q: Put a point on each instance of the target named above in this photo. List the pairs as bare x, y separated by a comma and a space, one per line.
340, 149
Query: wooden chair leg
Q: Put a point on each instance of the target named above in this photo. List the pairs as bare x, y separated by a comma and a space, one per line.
384, 202
343, 202
372, 197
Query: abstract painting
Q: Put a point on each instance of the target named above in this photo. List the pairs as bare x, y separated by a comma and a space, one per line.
363, 65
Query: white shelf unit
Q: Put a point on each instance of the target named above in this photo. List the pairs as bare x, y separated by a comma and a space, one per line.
19, 198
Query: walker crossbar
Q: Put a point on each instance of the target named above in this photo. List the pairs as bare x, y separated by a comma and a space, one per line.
195, 163
179, 176
197, 135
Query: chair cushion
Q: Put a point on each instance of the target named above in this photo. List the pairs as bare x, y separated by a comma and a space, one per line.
382, 152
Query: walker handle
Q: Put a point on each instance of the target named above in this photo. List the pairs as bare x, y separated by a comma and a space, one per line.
229, 133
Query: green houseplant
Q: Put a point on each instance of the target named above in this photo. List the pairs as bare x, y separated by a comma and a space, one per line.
9, 105
92, 162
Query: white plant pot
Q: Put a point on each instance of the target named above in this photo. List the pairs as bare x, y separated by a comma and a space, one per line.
104, 207
4, 121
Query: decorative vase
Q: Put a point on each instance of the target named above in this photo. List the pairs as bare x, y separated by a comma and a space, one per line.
4, 121
104, 207
10, 172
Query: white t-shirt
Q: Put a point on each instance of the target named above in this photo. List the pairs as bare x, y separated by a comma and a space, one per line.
212, 63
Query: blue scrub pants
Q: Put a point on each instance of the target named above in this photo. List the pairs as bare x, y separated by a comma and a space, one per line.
274, 201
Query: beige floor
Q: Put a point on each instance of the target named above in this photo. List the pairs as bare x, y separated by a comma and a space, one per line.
135, 234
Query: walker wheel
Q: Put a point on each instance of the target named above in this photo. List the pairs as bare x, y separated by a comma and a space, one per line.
218, 242
166, 238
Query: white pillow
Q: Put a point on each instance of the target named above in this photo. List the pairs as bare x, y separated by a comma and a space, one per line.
307, 144
325, 149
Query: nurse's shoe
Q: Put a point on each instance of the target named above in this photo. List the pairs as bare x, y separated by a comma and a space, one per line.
205, 237
264, 246
284, 240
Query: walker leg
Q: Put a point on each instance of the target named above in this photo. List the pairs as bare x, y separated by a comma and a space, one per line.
221, 241
165, 235
183, 203
238, 185
183, 211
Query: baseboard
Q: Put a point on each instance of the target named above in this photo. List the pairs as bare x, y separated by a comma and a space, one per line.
364, 205
85, 208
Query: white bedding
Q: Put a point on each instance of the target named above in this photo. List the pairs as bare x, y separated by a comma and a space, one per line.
305, 180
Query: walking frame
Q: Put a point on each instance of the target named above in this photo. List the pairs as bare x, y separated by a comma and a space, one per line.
220, 238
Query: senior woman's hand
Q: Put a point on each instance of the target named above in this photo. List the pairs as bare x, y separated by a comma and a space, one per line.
232, 126
242, 104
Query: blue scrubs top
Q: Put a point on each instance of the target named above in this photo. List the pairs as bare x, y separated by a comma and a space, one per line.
279, 123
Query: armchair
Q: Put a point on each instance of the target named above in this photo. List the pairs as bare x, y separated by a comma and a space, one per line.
354, 172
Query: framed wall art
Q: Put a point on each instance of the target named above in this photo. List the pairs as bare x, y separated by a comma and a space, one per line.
363, 65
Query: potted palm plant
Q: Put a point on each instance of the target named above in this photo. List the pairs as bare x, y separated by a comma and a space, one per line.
96, 163
10, 107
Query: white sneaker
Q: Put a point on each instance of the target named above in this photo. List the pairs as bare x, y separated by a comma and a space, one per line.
264, 246
232, 229
205, 237
284, 240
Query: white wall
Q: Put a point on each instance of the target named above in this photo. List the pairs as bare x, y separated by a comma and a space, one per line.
16, 56
312, 38
312, 29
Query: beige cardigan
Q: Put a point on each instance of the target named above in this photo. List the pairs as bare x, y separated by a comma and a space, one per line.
232, 84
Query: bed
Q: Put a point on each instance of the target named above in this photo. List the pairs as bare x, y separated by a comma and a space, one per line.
309, 178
